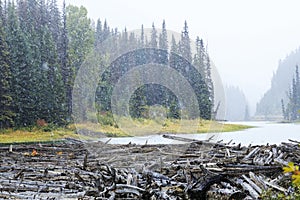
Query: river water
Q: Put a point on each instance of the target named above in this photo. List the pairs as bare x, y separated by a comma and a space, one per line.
262, 133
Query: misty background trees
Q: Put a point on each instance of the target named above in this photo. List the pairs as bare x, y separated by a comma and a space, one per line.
282, 92
42, 48
291, 111
237, 108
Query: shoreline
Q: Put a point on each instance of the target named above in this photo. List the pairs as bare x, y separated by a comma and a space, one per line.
90, 131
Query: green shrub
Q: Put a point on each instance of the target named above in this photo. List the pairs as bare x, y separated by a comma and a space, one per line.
111, 134
106, 119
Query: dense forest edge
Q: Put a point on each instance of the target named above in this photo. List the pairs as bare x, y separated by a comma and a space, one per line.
43, 47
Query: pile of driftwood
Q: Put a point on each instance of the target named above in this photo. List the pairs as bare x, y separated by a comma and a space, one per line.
96, 170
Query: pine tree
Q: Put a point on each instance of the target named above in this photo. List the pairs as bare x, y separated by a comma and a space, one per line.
199, 57
284, 111
54, 19
142, 39
65, 68
23, 76
202, 62
163, 37
153, 41
209, 81
163, 45
292, 111
124, 41
106, 31
185, 45
98, 33
51, 92
174, 46
6, 113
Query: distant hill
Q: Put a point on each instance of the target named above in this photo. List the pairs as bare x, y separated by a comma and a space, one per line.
269, 107
236, 104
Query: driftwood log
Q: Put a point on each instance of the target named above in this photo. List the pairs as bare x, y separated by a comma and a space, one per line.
94, 170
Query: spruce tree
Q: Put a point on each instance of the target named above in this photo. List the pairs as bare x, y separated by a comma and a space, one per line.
55, 22
124, 41
98, 33
174, 46
284, 111
6, 113
199, 56
153, 41
142, 39
185, 45
65, 69
106, 31
163, 37
292, 111
202, 62
209, 81
51, 92
163, 45
23, 77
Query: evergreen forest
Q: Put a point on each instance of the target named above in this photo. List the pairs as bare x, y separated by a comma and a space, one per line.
42, 47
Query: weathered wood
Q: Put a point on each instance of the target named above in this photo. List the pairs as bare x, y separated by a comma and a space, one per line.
198, 169
248, 188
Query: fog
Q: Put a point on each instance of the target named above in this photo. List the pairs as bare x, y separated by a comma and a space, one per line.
246, 39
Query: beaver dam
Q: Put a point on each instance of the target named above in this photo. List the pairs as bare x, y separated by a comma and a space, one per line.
94, 170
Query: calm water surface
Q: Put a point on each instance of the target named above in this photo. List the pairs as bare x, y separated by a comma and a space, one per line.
263, 133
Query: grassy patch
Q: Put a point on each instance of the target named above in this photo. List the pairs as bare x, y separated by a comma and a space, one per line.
37, 135
140, 127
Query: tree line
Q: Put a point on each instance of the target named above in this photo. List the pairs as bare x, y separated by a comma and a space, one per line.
195, 67
43, 47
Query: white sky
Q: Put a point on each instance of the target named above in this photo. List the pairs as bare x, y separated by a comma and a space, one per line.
246, 38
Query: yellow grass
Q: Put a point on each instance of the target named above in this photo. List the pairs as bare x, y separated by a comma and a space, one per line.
36, 135
139, 127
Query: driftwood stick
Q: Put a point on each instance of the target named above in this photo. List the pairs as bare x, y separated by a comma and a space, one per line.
248, 187
79, 177
252, 153
19, 173
258, 181
277, 187
172, 137
252, 184
294, 141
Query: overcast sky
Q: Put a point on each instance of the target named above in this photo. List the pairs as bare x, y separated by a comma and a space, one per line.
246, 38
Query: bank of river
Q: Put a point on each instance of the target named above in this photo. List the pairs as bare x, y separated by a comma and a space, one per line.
262, 133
